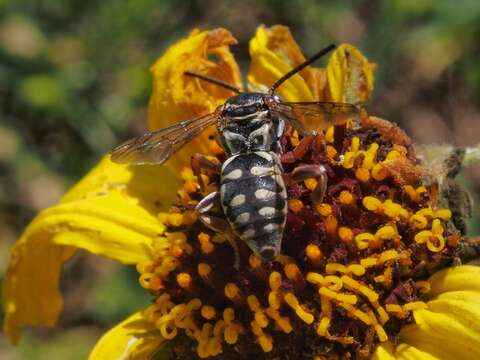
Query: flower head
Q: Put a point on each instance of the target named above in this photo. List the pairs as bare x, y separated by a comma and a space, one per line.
353, 275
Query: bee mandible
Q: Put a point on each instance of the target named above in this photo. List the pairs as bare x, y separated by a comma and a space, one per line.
252, 194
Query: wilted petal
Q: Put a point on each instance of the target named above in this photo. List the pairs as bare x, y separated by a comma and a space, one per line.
134, 338
176, 97
111, 212
274, 52
350, 76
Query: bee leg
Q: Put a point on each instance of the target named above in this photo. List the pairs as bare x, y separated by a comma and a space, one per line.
210, 214
300, 150
318, 172
199, 162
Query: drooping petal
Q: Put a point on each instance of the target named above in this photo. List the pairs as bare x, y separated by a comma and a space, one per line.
134, 338
176, 97
450, 327
273, 53
350, 76
111, 212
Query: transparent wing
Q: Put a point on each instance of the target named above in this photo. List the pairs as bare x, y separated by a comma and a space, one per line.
156, 147
313, 117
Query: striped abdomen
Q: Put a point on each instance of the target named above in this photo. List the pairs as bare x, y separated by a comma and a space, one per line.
254, 200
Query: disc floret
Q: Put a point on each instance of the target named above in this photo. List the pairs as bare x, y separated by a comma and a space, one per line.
349, 275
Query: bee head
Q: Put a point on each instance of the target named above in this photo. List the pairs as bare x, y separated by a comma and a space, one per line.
244, 105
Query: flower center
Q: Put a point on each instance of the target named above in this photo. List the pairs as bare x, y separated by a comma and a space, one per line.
351, 271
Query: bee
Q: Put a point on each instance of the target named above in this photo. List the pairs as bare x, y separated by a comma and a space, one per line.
252, 194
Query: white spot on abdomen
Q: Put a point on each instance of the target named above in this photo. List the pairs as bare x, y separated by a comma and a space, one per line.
267, 211
259, 171
264, 155
242, 218
271, 226
234, 174
264, 194
238, 200
249, 233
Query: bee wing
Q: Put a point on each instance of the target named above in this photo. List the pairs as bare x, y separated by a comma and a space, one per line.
157, 147
313, 117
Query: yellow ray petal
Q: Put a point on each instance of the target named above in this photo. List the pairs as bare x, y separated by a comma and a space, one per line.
274, 52
450, 327
457, 278
407, 352
350, 76
111, 212
176, 97
385, 351
134, 338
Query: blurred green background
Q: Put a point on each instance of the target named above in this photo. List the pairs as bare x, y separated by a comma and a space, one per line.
75, 81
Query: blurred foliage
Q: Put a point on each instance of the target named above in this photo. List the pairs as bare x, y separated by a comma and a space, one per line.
74, 81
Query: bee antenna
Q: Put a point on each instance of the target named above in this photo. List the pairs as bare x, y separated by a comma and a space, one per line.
300, 67
213, 81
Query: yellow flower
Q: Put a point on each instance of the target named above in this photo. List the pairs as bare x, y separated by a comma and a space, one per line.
117, 211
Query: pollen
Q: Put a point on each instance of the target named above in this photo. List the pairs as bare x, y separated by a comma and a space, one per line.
292, 301
423, 286
295, 205
232, 292
331, 152
190, 186
293, 273
362, 175
263, 339
314, 254
186, 174
184, 280
346, 197
324, 209
345, 234
254, 261
433, 238
310, 184
206, 245
329, 134
175, 219
348, 259
275, 280
208, 312
331, 225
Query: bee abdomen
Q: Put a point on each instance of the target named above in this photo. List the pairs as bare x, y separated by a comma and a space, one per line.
253, 198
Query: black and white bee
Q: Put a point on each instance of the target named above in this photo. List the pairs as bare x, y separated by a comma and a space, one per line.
252, 194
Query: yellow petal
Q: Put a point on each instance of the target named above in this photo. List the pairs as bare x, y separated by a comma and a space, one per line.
111, 212
273, 53
450, 327
407, 352
465, 277
176, 97
350, 76
134, 338
385, 351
